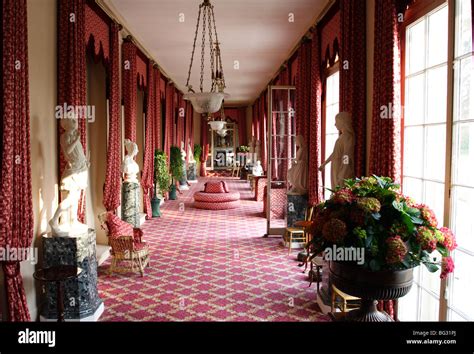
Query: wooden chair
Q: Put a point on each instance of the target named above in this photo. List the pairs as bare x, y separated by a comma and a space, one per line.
236, 169
342, 301
300, 232
129, 253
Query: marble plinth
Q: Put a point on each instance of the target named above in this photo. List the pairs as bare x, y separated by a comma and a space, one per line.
131, 203
296, 208
81, 297
183, 185
192, 172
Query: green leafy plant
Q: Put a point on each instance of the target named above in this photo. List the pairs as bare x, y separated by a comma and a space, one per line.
395, 232
243, 148
176, 163
197, 152
161, 176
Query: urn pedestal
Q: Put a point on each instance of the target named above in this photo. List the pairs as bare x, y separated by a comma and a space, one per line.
131, 203
192, 172
81, 297
183, 185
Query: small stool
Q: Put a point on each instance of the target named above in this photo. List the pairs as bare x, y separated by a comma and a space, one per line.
58, 274
347, 300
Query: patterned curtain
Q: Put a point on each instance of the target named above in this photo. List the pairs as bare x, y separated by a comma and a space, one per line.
385, 154
169, 119
72, 71
149, 154
205, 146
97, 32
189, 136
303, 90
157, 100
352, 94
315, 185
113, 178
180, 126
263, 130
129, 88
16, 206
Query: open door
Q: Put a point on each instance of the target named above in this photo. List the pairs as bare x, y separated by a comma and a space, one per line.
281, 138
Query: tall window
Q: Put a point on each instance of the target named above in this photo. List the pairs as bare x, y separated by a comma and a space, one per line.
430, 154
331, 134
461, 283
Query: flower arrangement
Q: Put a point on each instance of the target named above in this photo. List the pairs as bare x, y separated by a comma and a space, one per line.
394, 231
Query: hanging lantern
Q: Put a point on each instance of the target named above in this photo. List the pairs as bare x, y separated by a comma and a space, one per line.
211, 101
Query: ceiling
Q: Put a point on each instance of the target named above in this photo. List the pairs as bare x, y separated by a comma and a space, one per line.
256, 33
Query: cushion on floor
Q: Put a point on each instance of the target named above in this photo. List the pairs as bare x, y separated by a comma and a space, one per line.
218, 205
216, 197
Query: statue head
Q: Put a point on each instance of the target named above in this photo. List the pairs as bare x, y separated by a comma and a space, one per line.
69, 124
131, 147
344, 122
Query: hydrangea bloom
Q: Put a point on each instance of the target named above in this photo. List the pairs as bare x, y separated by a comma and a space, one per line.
447, 266
343, 196
396, 249
426, 238
427, 215
449, 239
335, 230
370, 204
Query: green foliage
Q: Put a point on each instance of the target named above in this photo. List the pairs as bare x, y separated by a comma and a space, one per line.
197, 152
176, 163
161, 175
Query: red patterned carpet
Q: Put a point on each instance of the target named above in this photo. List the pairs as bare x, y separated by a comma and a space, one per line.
211, 266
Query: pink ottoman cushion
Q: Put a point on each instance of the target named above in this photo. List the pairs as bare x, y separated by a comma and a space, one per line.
216, 197
214, 187
217, 206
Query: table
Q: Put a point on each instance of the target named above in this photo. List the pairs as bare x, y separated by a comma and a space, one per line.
58, 274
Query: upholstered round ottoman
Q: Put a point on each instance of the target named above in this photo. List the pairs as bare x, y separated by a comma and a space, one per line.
216, 196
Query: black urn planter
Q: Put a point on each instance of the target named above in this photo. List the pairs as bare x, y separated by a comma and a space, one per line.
370, 286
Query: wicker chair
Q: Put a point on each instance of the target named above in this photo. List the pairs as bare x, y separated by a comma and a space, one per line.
129, 252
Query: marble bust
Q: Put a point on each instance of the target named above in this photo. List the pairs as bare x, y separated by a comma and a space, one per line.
298, 173
190, 154
73, 180
130, 168
257, 170
342, 157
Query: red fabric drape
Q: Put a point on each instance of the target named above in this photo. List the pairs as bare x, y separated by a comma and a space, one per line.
263, 130
148, 156
129, 88
16, 206
189, 138
113, 178
205, 146
142, 69
255, 133
181, 121
352, 93
97, 32
242, 112
303, 90
72, 71
385, 154
315, 185
157, 99
169, 119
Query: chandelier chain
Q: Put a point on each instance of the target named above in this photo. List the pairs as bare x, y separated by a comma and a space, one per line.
203, 45
211, 47
221, 70
194, 48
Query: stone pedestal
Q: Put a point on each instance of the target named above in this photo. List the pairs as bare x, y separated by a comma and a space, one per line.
183, 185
81, 297
192, 172
296, 208
131, 203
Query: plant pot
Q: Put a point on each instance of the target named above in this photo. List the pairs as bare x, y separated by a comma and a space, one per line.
172, 193
155, 206
370, 286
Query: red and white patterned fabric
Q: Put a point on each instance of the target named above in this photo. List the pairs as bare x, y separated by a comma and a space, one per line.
72, 72
169, 111
116, 227
157, 100
129, 88
217, 205
385, 148
303, 90
149, 153
216, 197
315, 185
97, 32
352, 93
205, 146
263, 130
260, 183
142, 69
113, 178
16, 206
181, 121
278, 201
214, 187
226, 187
330, 31
189, 130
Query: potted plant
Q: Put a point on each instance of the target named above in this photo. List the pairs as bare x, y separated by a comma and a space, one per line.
197, 152
162, 180
393, 234
176, 169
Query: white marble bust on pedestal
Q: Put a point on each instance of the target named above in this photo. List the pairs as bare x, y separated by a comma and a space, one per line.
130, 167
257, 170
73, 180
